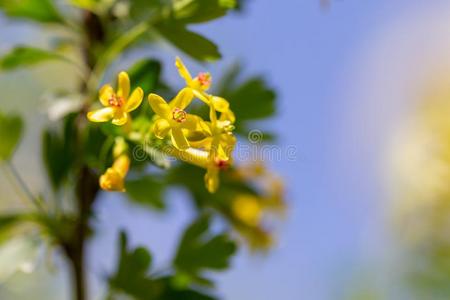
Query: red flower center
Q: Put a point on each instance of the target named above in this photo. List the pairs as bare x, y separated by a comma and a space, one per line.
179, 115
222, 164
204, 79
116, 101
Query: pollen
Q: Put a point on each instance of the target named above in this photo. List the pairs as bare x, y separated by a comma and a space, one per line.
116, 101
204, 79
179, 115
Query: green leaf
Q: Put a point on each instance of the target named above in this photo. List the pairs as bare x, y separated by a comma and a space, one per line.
198, 11
146, 191
132, 278
59, 151
131, 275
144, 9
252, 100
8, 222
36, 10
11, 128
193, 44
145, 74
199, 250
26, 56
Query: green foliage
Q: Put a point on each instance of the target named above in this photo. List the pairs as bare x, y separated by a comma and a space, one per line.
145, 74
199, 11
34, 10
255, 99
191, 43
199, 250
25, 56
11, 128
59, 151
132, 278
7, 222
146, 191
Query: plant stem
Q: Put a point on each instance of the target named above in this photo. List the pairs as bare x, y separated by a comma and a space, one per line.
86, 188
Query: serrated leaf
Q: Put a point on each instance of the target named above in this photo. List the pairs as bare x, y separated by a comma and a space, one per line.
199, 250
35, 10
193, 44
11, 128
132, 278
24, 57
146, 191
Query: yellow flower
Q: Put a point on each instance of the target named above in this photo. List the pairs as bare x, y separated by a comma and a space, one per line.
173, 118
219, 158
200, 85
117, 105
247, 209
113, 179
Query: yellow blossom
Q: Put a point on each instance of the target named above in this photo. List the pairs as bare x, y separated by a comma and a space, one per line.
173, 118
247, 209
113, 179
199, 85
117, 105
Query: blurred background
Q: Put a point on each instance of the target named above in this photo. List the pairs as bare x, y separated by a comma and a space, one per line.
364, 90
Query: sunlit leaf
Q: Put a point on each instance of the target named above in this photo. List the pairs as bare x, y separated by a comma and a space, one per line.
191, 43
25, 56
11, 128
35, 10
198, 11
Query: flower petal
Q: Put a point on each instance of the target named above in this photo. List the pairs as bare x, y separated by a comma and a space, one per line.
120, 118
161, 128
122, 165
135, 100
179, 141
101, 115
106, 93
182, 99
228, 115
123, 85
212, 179
220, 104
159, 106
202, 144
192, 122
183, 71
112, 181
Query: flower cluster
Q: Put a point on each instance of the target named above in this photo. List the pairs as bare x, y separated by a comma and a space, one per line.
248, 210
205, 143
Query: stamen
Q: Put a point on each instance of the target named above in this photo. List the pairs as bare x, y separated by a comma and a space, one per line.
116, 101
204, 79
179, 115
